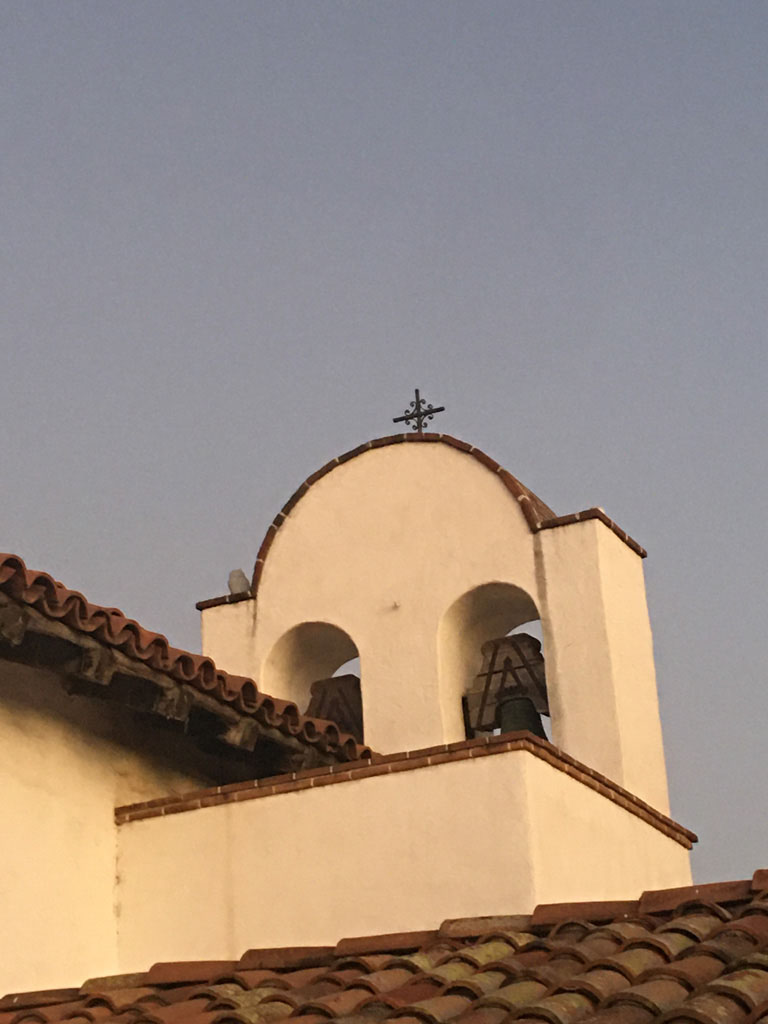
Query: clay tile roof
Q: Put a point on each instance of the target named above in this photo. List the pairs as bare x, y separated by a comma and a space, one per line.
110, 644
691, 958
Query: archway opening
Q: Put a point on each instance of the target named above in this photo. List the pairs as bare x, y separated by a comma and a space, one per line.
313, 664
469, 657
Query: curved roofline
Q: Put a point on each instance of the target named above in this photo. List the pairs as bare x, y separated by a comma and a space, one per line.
538, 515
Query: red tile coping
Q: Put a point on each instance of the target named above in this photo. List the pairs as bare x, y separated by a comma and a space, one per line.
538, 515
379, 764
111, 628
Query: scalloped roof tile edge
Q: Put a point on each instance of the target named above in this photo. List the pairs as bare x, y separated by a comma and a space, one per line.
538, 515
112, 629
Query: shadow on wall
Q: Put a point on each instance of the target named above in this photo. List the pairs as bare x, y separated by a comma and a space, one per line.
489, 613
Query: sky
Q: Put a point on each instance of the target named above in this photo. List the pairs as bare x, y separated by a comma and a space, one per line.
236, 235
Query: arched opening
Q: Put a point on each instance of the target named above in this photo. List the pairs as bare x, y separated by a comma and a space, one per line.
312, 665
488, 667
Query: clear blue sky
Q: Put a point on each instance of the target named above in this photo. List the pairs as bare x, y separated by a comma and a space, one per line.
236, 235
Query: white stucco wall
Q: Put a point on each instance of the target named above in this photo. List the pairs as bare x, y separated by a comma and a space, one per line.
228, 636
599, 654
64, 768
495, 834
388, 545
580, 851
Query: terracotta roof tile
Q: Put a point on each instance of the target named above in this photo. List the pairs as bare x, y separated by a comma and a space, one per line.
552, 913
474, 927
114, 632
384, 981
282, 958
46, 997
690, 959
692, 971
184, 972
401, 942
598, 983
670, 899
518, 994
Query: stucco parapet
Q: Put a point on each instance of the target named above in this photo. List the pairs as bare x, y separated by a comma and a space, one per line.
413, 760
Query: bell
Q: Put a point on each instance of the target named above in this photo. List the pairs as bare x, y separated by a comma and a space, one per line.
515, 714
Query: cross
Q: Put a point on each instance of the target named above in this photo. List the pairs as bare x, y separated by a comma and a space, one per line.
420, 411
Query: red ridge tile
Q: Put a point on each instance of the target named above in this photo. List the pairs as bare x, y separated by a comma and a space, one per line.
552, 913
186, 971
659, 900
44, 997
282, 957
474, 927
396, 942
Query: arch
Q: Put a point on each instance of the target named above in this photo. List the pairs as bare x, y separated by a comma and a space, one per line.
536, 513
487, 612
304, 654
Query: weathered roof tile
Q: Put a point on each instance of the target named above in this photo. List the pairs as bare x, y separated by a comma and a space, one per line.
693, 959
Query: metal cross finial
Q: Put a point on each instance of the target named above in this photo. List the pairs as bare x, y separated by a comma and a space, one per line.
419, 411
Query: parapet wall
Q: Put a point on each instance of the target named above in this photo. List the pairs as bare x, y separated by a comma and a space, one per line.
475, 828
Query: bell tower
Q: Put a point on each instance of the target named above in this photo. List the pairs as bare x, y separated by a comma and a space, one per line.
414, 551
422, 557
